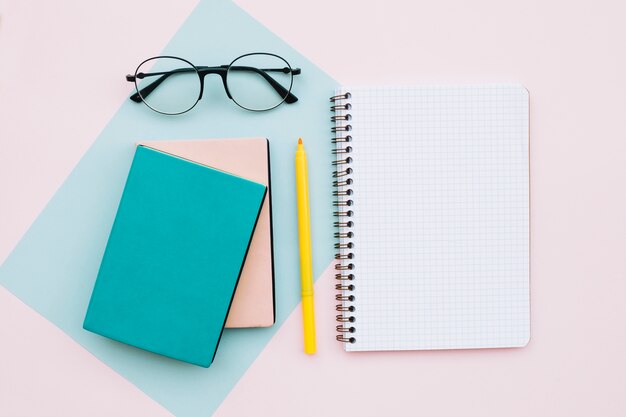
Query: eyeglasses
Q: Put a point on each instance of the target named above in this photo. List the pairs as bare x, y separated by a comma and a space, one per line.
257, 82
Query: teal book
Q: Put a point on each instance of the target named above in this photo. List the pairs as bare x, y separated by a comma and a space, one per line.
174, 257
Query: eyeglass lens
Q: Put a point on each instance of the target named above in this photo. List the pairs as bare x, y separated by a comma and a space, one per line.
259, 81
173, 84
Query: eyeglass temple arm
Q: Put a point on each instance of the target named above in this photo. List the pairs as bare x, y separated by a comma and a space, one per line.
145, 91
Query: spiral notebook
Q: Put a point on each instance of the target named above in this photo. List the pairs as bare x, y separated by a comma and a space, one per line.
432, 188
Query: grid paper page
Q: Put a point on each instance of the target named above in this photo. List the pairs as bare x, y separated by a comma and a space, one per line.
441, 217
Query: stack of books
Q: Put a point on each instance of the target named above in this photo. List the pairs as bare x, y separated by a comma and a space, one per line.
190, 251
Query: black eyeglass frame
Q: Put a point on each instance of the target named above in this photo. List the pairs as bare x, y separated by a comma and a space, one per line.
222, 71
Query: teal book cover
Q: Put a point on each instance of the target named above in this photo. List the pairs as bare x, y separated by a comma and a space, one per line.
174, 257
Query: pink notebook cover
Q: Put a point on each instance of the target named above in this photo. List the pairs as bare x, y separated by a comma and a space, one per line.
253, 303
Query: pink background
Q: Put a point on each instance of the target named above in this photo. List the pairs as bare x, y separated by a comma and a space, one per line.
569, 54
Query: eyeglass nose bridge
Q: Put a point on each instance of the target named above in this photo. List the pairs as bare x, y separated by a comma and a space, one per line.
222, 71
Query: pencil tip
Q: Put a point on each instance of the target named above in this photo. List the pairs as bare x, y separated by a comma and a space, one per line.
299, 141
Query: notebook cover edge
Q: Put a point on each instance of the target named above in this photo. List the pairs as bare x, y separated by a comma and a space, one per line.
219, 339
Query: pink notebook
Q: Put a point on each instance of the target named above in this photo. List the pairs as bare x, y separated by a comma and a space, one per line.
253, 303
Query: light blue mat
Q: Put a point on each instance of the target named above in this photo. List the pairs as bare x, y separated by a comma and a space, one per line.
54, 266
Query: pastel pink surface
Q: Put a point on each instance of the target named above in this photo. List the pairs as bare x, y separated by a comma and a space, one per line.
43, 372
253, 303
569, 56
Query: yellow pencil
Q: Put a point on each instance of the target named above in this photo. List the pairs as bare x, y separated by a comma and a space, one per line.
306, 259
